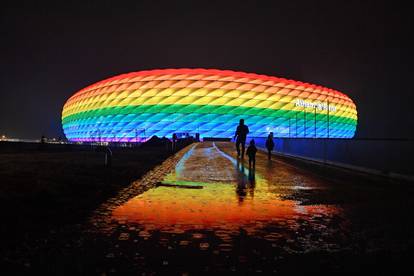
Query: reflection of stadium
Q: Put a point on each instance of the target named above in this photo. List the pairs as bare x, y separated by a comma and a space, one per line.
132, 106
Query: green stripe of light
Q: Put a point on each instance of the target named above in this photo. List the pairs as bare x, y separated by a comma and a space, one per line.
207, 109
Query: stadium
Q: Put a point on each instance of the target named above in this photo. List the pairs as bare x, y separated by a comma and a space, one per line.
136, 106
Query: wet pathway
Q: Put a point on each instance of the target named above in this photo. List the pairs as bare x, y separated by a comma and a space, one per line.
204, 211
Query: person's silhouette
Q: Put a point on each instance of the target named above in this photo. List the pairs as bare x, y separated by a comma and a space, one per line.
240, 137
270, 145
251, 152
174, 142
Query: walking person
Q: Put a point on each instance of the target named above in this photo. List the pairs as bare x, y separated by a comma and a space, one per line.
251, 153
240, 137
174, 142
270, 145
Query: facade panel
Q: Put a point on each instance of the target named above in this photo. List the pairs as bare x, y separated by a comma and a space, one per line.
135, 106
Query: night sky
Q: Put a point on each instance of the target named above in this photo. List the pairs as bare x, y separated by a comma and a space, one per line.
51, 50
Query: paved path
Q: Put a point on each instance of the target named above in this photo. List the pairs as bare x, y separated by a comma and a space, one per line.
237, 220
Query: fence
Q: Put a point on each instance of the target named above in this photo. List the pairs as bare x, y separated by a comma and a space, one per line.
388, 157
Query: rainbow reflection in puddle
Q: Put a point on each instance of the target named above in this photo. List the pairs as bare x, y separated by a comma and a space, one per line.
231, 197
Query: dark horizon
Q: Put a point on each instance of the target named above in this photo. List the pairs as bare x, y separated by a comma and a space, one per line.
53, 50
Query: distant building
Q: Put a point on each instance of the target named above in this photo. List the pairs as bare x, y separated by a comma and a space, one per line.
134, 106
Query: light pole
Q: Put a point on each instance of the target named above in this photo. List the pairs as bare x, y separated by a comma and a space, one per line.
304, 122
314, 121
289, 127
99, 136
328, 118
296, 124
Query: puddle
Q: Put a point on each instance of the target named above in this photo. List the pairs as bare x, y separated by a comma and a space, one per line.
229, 198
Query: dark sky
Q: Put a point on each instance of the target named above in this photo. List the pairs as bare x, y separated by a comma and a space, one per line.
51, 50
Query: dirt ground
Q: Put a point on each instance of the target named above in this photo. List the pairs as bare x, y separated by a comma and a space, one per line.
43, 189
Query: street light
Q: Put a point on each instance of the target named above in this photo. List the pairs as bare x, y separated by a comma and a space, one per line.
314, 121
296, 124
289, 127
328, 118
304, 122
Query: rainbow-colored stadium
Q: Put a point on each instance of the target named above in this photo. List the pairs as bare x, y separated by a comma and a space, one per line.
135, 106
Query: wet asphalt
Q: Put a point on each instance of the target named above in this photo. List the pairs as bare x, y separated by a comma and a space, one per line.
205, 211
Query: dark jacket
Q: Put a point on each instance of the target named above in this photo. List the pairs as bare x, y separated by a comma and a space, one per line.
270, 144
241, 132
251, 151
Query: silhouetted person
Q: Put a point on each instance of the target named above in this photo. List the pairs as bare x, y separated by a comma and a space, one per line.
251, 152
270, 145
240, 136
174, 141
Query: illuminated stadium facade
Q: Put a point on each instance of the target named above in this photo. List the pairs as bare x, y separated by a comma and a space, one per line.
135, 106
